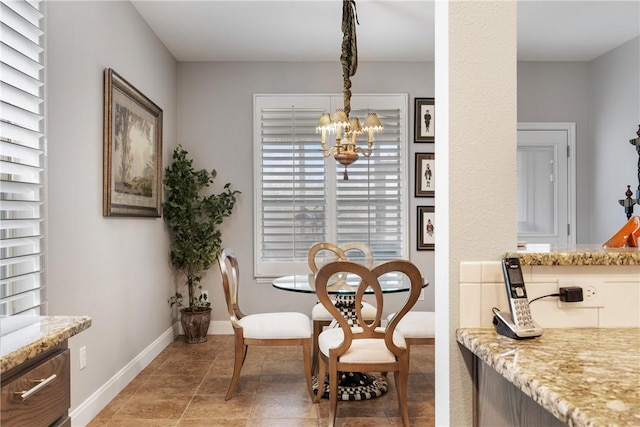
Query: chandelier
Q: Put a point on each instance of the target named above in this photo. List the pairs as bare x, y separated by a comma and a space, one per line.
346, 129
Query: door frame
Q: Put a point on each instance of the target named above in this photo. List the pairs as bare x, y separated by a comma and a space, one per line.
570, 129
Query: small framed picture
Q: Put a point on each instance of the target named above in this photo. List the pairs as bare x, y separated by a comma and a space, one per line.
426, 226
132, 170
425, 120
425, 175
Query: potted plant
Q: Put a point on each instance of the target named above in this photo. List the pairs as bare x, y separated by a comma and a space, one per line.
193, 217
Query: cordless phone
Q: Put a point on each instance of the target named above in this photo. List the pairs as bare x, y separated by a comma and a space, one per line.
519, 324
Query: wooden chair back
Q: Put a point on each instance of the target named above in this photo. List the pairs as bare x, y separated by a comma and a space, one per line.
230, 270
369, 279
354, 251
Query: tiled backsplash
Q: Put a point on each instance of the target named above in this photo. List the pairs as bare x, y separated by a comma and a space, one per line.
482, 287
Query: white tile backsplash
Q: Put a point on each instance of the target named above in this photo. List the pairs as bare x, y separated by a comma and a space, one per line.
470, 310
491, 272
483, 288
621, 305
470, 272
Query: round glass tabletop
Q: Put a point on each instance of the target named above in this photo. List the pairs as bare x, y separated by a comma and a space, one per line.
305, 283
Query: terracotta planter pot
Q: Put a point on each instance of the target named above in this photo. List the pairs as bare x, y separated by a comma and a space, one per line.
195, 325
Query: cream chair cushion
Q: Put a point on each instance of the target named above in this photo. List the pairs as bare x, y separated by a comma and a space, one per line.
417, 324
366, 350
276, 325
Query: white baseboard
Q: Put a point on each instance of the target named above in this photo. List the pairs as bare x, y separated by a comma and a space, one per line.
217, 327
87, 410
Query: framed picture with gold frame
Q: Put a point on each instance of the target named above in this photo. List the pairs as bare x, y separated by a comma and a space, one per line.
132, 169
425, 120
426, 226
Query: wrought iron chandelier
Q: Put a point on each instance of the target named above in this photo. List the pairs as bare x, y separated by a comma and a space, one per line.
346, 129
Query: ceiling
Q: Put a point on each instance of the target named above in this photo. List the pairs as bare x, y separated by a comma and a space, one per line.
389, 30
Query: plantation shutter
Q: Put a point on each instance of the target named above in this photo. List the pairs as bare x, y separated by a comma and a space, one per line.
302, 198
22, 158
371, 203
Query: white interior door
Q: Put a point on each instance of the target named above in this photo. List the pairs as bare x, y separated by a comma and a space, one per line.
545, 180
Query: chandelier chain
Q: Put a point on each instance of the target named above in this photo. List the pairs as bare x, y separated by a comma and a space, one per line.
349, 56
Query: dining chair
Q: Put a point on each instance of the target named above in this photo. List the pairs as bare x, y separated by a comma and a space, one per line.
331, 252
265, 329
367, 346
417, 327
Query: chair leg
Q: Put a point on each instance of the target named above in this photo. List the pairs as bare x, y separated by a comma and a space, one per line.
317, 328
240, 354
401, 378
322, 370
333, 393
306, 354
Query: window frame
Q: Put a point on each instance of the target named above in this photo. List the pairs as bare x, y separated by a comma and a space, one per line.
264, 270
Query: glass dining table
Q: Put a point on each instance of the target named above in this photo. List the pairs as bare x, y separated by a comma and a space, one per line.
353, 385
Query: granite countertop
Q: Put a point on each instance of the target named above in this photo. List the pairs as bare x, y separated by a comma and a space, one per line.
25, 337
577, 255
583, 376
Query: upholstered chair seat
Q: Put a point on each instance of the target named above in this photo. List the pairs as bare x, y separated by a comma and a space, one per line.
418, 327
367, 350
276, 326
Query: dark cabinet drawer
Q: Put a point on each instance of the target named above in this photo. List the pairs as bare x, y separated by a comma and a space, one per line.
39, 396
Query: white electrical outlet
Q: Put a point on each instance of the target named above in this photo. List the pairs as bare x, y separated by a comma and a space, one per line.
83, 357
593, 295
421, 297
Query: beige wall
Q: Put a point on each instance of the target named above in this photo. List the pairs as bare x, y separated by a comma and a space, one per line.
112, 269
476, 96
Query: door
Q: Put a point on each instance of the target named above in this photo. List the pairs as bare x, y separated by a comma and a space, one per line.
545, 183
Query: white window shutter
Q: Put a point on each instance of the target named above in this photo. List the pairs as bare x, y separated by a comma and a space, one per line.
302, 198
22, 158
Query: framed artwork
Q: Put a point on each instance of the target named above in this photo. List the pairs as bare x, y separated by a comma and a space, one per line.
425, 120
132, 169
425, 175
426, 224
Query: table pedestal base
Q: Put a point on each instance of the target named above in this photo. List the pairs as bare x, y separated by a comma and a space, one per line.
355, 386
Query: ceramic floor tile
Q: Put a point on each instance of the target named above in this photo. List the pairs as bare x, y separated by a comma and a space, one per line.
154, 406
277, 406
214, 406
285, 384
213, 422
142, 422
171, 384
186, 384
283, 422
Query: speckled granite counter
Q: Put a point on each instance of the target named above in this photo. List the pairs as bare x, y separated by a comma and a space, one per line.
577, 255
25, 337
583, 376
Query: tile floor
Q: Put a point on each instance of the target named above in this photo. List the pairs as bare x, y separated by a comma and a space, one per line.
186, 384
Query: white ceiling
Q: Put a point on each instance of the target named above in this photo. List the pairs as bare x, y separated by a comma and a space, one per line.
389, 30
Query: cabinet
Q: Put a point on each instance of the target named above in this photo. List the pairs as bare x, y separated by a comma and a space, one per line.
37, 393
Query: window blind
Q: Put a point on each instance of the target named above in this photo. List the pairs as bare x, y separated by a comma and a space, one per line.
302, 198
22, 158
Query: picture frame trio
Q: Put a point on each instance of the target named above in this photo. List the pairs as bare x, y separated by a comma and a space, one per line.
424, 132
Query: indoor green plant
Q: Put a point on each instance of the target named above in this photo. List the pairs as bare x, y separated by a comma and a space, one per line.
192, 217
